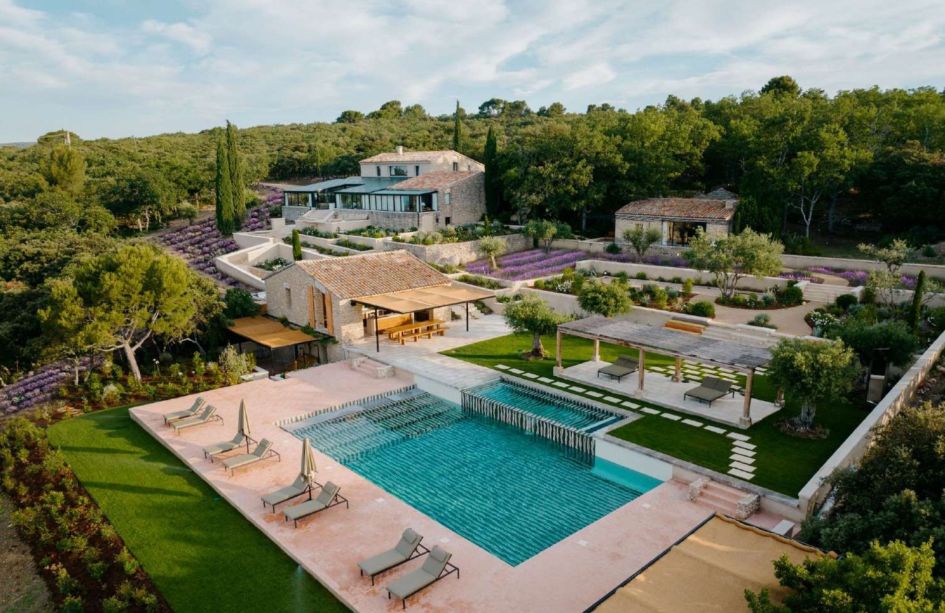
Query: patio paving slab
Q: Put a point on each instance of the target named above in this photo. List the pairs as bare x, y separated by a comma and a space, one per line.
569, 576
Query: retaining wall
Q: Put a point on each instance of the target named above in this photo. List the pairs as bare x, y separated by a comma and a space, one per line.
855, 446
667, 272
457, 253
803, 261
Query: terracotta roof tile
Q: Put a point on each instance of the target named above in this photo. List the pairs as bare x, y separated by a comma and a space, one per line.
372, 273
435, 180
681, 208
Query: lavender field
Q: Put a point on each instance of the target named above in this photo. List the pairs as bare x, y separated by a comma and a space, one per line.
535, 263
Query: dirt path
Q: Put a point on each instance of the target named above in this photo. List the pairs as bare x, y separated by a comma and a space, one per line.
21, 588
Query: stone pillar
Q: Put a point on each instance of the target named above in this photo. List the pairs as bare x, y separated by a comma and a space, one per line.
641, 368
677, 375
745, 420
596, 356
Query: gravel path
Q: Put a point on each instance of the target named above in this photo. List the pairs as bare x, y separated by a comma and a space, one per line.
21, 588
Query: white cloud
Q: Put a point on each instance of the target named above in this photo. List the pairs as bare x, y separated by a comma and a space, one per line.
266, 61
179, 32
598, 74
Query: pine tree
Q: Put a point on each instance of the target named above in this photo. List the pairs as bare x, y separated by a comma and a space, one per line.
224, 191
489, 158
915, 314
236, 175
457, 129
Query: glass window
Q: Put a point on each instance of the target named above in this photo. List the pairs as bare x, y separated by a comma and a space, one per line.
455, 166
447, 198
416, 171
378, 171
398, 171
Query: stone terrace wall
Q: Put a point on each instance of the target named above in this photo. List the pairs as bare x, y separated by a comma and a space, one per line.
457, 253
853, 449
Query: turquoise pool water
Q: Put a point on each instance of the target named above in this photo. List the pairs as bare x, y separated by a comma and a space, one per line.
511, 493
555, 408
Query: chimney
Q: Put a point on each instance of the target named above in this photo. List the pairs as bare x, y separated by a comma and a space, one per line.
400, 149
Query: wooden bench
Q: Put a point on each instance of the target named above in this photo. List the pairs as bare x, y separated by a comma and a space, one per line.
685, 326
408, 329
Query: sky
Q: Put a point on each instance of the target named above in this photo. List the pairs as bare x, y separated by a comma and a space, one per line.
112, 68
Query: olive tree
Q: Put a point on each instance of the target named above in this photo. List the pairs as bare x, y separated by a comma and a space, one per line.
607, 299
812, 371
641, 239
541, 230
533, 315
492, 247
730, 258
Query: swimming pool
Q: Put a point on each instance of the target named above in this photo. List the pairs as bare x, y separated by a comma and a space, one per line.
511, 493
583, 417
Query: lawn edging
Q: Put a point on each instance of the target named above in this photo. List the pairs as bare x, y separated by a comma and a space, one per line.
257, 524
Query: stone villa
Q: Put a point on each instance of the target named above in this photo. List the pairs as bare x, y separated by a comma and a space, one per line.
677, 219
427, 190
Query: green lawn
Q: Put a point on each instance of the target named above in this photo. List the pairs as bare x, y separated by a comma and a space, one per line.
202, 554
784, 463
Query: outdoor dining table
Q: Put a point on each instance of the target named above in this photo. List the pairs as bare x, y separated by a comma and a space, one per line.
416, 327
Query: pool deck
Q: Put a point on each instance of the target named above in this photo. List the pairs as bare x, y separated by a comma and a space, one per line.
660, 389
569, 576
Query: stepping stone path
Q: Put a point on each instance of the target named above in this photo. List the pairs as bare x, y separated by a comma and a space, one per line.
516, 371
579, 390
593, 394
715, 430
545, 380
611, 399
531, 375
692, 422
630, 405
560, 384
650, 411
501, 366
670, 416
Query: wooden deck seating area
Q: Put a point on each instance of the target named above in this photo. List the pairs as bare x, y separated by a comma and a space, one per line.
414, 330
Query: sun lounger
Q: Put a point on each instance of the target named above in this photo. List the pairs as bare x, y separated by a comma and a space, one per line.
435, 567
205, 416
407, 549
235, 443
622, 367
262, 451
327, 498
299, 486
710, 390
198, 402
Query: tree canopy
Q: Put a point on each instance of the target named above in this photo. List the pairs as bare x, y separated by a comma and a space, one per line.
732, 257
532, 315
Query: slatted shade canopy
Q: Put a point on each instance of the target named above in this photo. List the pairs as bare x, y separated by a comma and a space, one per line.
669, 342
268, 333
424, 298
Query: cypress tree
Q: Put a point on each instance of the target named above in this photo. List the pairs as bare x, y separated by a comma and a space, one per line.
236, 175
296, 245
489, 158
915, 316
457, 129
224, 191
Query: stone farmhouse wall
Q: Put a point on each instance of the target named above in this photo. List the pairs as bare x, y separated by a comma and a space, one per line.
622, 223
467, 202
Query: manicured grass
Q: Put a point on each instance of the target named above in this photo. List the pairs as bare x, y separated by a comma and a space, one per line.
200, 552
783, 463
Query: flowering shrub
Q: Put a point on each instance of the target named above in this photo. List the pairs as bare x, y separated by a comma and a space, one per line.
201, 242
854, 278
39, 386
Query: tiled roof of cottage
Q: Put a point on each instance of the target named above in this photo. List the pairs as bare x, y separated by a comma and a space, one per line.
681, 208
719, 193
372, 273
435, 180
409, 156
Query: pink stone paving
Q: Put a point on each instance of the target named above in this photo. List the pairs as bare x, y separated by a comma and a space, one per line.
568, 576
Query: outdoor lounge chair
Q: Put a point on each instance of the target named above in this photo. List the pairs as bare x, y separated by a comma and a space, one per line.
327, 498
234, 443
710, 390
407, 549
622, 367
176, 415
299, 486
262, 451
434, 568
206, 415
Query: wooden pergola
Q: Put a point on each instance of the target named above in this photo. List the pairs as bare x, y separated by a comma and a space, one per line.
422, 299
680, 345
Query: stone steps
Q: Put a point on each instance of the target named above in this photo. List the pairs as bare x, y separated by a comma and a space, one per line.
721, 498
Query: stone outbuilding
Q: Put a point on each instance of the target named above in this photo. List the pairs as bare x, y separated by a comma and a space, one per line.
678, 219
